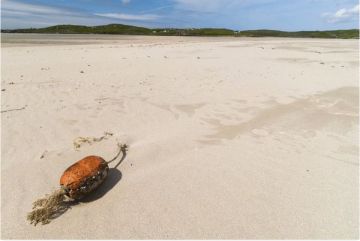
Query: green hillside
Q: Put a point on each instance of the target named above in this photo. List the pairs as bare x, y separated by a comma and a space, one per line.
134, 30
345, 34
123, 29
78, 29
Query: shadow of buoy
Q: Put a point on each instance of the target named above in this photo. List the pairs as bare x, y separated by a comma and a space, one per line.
114, 176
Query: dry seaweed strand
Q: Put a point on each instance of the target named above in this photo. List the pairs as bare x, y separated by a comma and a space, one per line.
22, 108
80, 140
47, 208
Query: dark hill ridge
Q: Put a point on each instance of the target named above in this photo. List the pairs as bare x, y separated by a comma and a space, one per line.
78, 29
134, 30
124, 29
346, 34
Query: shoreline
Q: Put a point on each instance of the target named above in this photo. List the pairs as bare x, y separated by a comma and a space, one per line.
37, 39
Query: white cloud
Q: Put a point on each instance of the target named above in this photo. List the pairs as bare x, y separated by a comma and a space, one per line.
123, 16
343, 14
125, 1
18, 7
18, 14
203, 5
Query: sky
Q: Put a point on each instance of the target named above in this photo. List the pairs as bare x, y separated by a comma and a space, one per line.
287, 15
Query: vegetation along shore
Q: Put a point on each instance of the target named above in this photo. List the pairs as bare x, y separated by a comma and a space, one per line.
134, 30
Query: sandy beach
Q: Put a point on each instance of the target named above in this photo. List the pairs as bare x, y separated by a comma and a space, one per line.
231, 138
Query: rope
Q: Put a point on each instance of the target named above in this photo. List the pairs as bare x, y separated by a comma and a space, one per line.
122, 149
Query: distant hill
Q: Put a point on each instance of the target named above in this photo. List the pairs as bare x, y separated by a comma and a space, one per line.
345, 34
78, 29
124, 29
134, 30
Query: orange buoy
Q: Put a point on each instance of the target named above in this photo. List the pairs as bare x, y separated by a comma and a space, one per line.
77, 181
84, 176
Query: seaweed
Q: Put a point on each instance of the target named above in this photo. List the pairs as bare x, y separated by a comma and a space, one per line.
47, 208
80, 140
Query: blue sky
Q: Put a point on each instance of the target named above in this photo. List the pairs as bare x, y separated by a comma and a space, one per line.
290, 15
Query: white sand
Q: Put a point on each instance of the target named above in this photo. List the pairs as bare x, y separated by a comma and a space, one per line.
229, 137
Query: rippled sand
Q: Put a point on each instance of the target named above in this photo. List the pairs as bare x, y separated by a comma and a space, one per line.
229, 137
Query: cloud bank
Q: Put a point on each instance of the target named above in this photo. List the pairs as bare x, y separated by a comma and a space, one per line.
343, 14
